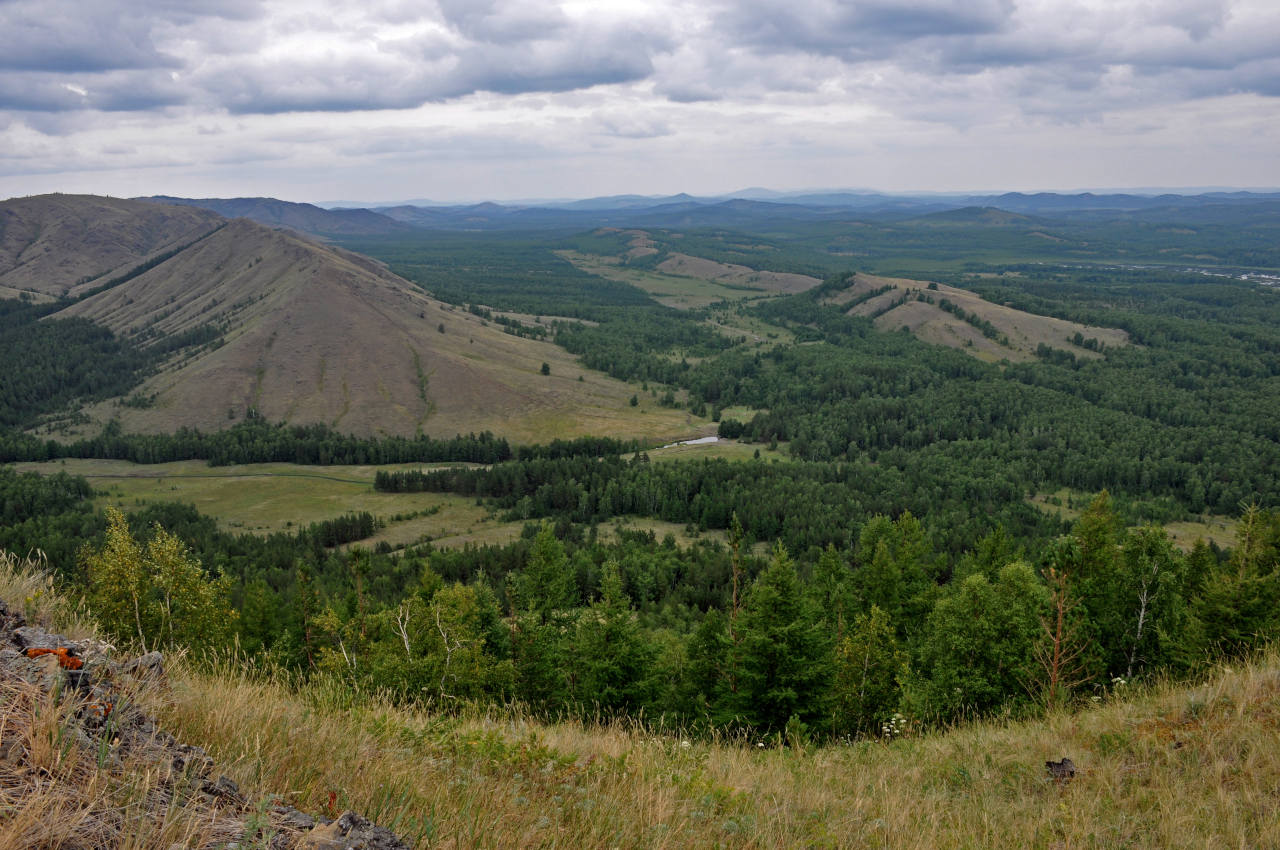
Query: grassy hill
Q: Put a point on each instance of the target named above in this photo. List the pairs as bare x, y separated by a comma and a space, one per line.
56, 245
958, 318
309, 333
1157, 766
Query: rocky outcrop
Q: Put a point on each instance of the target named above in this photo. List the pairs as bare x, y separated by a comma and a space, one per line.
101, 725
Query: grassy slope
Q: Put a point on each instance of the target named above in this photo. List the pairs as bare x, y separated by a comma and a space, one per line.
51, 243
319, 335
1170, 767
1166, 766
1024, 331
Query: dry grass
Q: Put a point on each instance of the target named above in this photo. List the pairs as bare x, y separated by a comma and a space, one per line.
1160, 767
59, 788
26, 585
1169, 767
1024, 331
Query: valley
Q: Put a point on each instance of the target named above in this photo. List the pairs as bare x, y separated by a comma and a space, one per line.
594, 465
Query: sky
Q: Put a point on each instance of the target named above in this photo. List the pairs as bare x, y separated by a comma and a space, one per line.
466, 100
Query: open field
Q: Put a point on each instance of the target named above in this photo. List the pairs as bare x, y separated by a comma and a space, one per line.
681, 291
726, 449
261, 498
736, 275
266, 498
1211, 528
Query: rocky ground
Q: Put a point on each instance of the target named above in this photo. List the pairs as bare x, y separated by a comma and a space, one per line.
82, 766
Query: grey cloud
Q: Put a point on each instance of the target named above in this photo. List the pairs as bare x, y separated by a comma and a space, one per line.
117, 91
501, 22
408, 73
628, 126
78, 37
856, 28
60, 36
488, 45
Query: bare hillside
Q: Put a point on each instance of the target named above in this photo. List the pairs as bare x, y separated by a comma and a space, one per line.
313, 334
51, 243
958, 318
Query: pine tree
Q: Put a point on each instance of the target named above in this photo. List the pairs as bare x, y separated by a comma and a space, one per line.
612, 657
784, 654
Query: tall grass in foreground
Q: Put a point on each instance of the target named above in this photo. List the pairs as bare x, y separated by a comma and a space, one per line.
1168, 766
61, 789
1164, 766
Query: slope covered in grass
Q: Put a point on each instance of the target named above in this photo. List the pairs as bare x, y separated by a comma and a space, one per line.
1163, 766
1158, 766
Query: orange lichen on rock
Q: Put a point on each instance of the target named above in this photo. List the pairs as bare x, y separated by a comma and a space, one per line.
64, 656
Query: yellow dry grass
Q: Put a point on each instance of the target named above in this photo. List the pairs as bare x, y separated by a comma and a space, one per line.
1169, 767
1023, 332
1159, 766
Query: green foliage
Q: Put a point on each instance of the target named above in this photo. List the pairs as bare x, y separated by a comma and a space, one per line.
977, 652
611, 655
783, 655
155, 593
868, 668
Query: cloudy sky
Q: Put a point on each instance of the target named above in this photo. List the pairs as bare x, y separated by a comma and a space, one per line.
383, 100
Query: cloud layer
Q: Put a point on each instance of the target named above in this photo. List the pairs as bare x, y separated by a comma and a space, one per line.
186, 83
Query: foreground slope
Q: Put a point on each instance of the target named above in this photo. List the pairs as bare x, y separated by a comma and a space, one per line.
1173, 767
311, 334
1190, 766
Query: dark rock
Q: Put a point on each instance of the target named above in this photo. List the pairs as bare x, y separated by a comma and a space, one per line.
31, 637
350, 832
291, 817
223, 789
1061, 771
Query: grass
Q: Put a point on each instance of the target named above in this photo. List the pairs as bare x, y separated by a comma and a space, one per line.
261, 498
1212, 528
1159, 766
1166, 767
678, 291
726, 449
266, 498
1020, 332
59, 788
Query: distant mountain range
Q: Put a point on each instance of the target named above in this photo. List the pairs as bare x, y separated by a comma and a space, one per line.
761, 210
